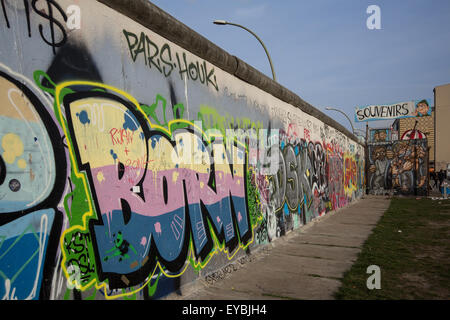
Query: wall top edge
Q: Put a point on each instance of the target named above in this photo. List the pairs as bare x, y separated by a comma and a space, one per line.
174, 30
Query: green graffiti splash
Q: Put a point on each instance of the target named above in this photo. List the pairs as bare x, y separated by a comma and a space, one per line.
211, 119
253, 200
153, 286
161, 103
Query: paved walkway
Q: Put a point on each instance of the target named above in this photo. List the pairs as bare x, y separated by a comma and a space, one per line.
308, 263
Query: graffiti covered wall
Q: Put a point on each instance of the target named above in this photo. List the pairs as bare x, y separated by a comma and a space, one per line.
130, 166
398, 166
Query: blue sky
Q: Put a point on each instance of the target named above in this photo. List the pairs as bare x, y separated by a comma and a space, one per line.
323, 51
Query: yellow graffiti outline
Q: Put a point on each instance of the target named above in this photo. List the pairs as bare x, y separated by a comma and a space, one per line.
90, 213
351, 157
353, 187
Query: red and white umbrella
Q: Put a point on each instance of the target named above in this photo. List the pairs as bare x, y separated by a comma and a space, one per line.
413, 134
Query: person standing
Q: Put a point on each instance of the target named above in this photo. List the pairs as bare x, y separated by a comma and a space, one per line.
441, 176
435, 178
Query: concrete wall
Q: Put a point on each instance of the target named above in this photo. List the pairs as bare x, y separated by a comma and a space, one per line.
442, 111
119, 174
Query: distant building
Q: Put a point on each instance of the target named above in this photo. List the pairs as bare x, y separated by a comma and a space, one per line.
436, 128
442, 126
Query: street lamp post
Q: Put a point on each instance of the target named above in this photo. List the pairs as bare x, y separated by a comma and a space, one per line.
353, 129
223, 22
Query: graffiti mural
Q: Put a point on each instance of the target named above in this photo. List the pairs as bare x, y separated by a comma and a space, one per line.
30, 187
126, 183
399, 166
154, 191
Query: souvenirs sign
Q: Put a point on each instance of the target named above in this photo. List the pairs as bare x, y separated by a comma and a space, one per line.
415, 108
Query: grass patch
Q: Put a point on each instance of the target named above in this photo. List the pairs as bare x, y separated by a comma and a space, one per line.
411, 246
